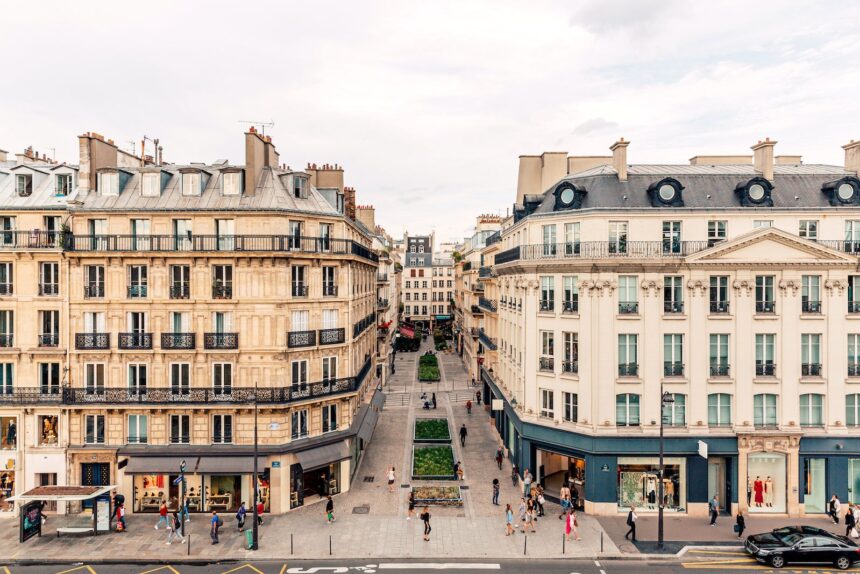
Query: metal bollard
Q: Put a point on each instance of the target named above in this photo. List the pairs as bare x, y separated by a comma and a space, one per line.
601, 542
563, 540
291, 543
525, 544
189, 545
329, 544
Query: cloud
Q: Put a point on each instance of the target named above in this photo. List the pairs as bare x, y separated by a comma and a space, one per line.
593, 125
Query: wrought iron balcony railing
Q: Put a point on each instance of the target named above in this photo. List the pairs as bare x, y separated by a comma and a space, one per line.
628, 308
488, 342
719, 307
570, 366
673, 306
178, 341
135, 341
49, 340
297, 339
183, 291
628, 369
7, 340
546, 305
488, 304
32, 239
719, 370
6, 289
765, 369
673, 369
810, 369
329, 290
546, 363
220, 340
332, 336
137, 291
92, 341
811, 307
222, 291
49, 289
299, 290
765, 306
94, 291
570, 306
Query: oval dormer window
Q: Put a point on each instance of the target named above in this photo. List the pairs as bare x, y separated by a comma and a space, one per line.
667, 192
846, 192
756, 192
567, 195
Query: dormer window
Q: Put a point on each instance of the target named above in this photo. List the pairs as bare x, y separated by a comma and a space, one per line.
755, 192
150, 184
24, 184
845, 191
666, 193
109, 183
191, 184
63, 184
300, 187
231, 182
568, 196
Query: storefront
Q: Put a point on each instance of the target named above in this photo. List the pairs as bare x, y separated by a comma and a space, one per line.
557, 470
639, 484
318, 472
8, 459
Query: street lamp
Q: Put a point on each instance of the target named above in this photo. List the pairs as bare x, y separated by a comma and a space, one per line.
665, 399
254, 526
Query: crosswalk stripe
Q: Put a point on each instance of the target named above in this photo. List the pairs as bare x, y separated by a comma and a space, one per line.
438, 566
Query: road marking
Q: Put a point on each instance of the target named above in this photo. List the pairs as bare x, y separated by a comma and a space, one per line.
243, 566
438, 566
6, 570
84, 567
170, 568
283, 569
597, 563
720, 552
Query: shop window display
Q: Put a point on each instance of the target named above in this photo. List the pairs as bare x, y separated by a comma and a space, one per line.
638, 484
151, 489
560, 470
48, 426
766, 480
8, 433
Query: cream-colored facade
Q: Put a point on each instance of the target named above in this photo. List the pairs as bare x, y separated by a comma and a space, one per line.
731, 284
182, 289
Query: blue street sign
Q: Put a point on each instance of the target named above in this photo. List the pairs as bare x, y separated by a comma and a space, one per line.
179, 479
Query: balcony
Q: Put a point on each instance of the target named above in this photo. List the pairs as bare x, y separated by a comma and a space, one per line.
332, 336
512, 254
182, 291
6, 289
361, 326
765, 307
571, 307
329, 290
765, 369
178, 341
487, 304
94, 291
136, 440
546, 364
811, 307
854, 306
628, 369
135, 341
299, 291
476, 310
136, 291
180, 439
673, 369
485, 272
467, 266
810, 369
494, 238
49, 289
220, 340
222, 439
719, 370
298, 339
382, 303
222, 291
628, 308
382, 277
6, 340
487, 341
719, 307
854, 369
92, 341
546, 306
31, 239
49, 340
570, 366
671, 307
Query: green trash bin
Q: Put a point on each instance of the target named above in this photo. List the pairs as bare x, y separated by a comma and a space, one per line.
249, 537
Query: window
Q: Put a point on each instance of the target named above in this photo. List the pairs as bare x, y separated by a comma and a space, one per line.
138, 429
570, 403
7, 379
570, 293
182, 234
716, 232
547, 350
49, 378
94, 429
63, 184
222, 429
329, 418
94, 322
299, 377
408, 286
109, 183
225, 230
191, 184
299, 424
671, 237
137, 379
137, 281
299, 289
50, 328
811, 410
547, 403
222, 378
719, 410
547, 293
300, 187
852, 410
24, 184
7, 328
808, 229
180, 429
570, 360
222, 281
719, 293
325, 236
852, 236
810, 354
150, 184
180, 281
329, 369
6, 277
765, 343
719, 355
627, 355
180, 378
571, 239
408, 295
49, 278
764, 299
94, 281
94, 378
675, 413
330, 319
853, 355
762, 223
232, 182
423, 296
853, 292
295, 235
627, 410
549, 247
811, 294
628, 298
673, 355
764, 410
140, 237
618, 237
673, 294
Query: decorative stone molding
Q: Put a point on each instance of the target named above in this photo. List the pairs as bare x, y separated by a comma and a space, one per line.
769, 443
697, 285
835, 286
598, 287
788, 284
743, 286
649, 286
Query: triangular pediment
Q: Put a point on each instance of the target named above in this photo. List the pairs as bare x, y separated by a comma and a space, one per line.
772, 246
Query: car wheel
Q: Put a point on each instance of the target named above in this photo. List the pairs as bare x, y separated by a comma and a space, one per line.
777, 561
843, 563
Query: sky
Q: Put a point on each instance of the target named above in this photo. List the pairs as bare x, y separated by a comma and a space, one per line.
427, 105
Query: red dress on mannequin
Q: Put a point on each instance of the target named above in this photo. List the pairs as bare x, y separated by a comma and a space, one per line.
758, 488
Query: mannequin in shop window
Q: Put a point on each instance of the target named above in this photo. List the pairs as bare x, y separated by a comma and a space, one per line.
768, 492
758, 488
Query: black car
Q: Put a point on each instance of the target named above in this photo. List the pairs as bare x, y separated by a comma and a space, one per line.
802, 545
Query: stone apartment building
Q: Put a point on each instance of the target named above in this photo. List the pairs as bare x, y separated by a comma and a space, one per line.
718, 298
417, 279
184, 295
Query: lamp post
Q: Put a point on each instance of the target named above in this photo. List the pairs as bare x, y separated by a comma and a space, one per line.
254, 527
666, 398
182, 515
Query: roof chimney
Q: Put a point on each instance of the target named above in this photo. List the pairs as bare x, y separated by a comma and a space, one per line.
255, 159
528, 180
619, 158
553, 168
763, 158
95, 153
349, 202
852, 157
366, 214
3, 153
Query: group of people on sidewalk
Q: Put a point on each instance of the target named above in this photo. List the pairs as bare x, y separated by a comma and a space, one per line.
852, 516
532, 505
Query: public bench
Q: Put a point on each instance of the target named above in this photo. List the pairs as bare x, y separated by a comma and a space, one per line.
75, 530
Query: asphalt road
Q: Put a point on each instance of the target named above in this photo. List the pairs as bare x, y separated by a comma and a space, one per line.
699, 560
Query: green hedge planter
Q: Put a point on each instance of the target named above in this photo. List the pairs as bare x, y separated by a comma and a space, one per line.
428, 368
431, 431
437, 495
432, 462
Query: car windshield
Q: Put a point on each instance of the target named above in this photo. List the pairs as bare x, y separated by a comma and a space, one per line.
788, 538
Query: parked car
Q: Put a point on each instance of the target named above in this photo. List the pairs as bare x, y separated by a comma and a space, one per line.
802, 545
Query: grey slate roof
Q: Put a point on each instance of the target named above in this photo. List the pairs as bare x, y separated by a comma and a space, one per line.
43, 196
795, 186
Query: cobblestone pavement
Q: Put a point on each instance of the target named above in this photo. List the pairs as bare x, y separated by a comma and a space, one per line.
371, 520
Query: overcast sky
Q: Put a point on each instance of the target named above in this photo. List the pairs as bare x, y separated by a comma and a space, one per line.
428, 104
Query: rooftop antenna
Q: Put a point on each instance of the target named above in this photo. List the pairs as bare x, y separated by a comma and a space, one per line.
133, 148
264, 125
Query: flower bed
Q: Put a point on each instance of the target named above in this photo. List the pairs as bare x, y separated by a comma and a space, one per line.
428, 368
433, 462
432, 431
437, 495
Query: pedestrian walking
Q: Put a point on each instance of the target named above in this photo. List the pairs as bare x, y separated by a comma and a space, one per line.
540, 500
631, 523
411, 511
240, 516
509, 520
714, 509
162, 515
530, 516
174, 526
527, 483
478, 397
433, 400
425, 517
260, 509
521, 512
120, 519
500, 457
214, 524
496, 489
463, 433
515, 476
564, 500
849, 520
740, 524
834, 506
574, 524
568, 526
460, 472
391, 479
329, 509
